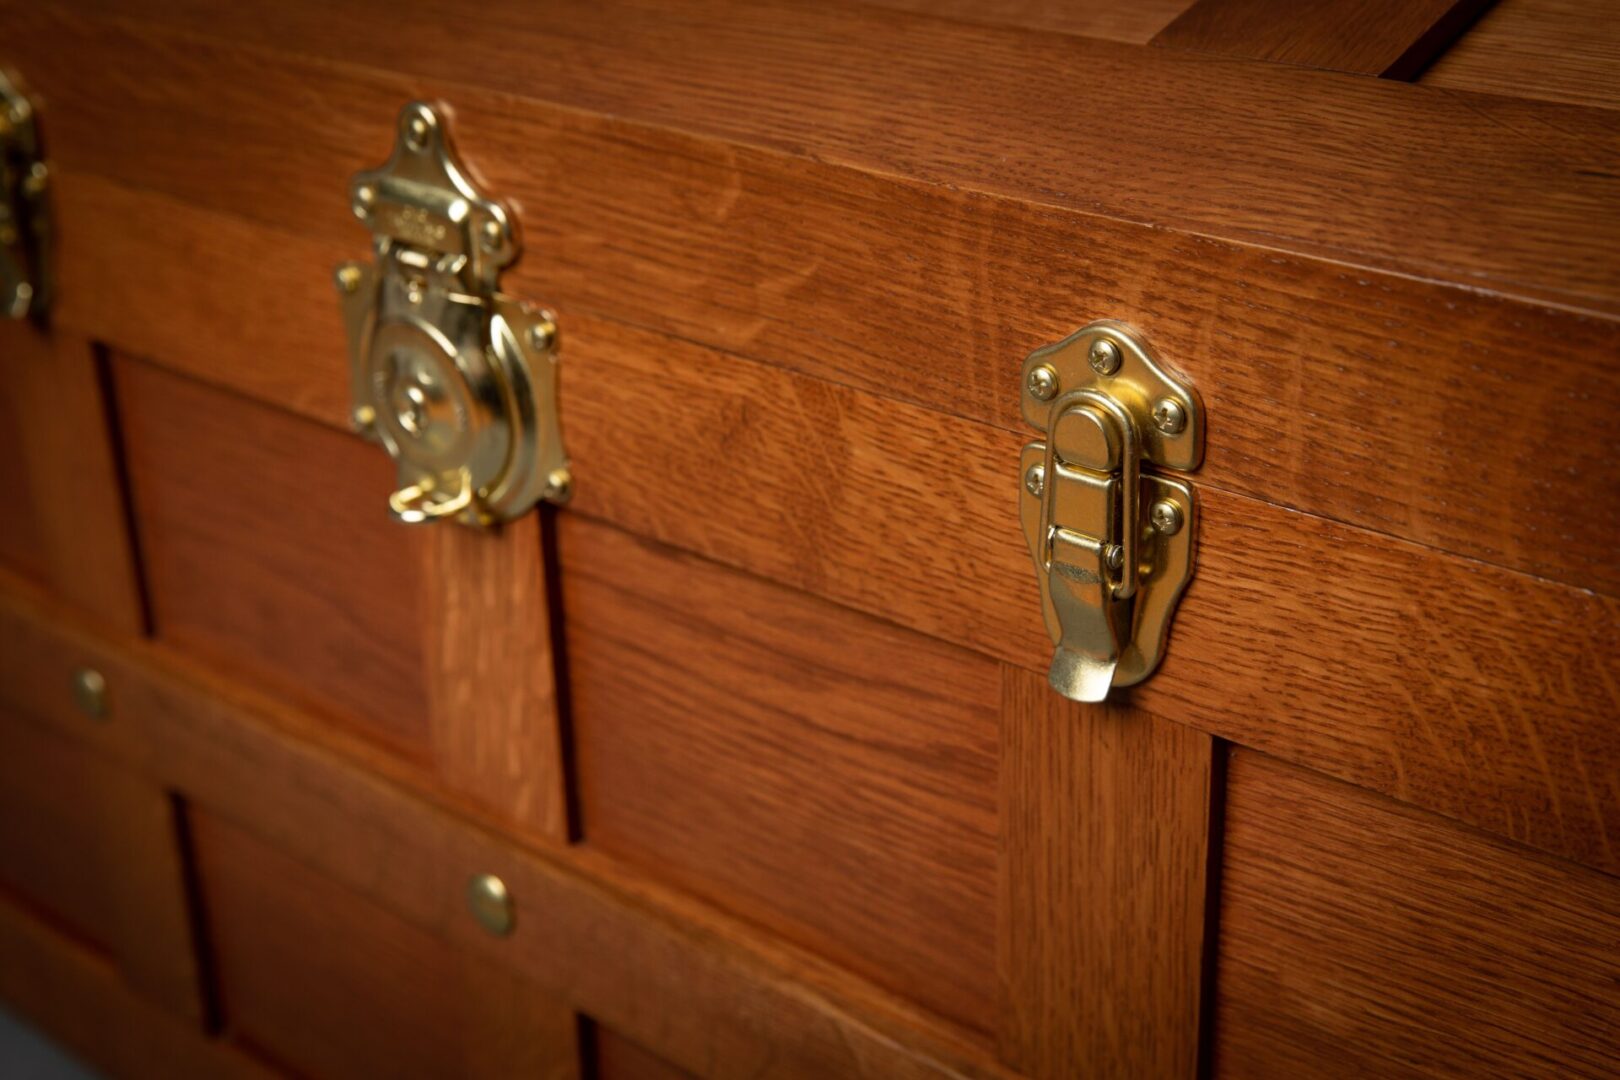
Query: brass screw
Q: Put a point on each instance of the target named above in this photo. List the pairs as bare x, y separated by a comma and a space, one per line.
364, 196
559, 485
1104, 357
348, 278
363, 417
492, 235
542, 335
1169, 417
90, 692
1035, 480
1166, 517
1043, 383
416, 132
490, 903
1115, 556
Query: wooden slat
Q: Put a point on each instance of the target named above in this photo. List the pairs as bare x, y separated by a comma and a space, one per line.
70, 508
1363, 938
1383, 643
327, 981
1292, 355
1132, 21
1394, 39
618, 1058
1105, 843
94, 849
708, 992
827, 775
73, 996
1553, 50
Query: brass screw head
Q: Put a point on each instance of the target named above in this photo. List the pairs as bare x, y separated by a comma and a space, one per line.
1104, 357
1115, 556
348, 278
1043, 383
90, 692
491, 238
559, 485
363, 417
1169, 417
1166, 517
542, 335
1035, 480
364, 197
416, 132
490, 903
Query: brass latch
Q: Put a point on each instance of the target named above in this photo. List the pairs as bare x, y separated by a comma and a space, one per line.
1112, 544
456, 380
24, 213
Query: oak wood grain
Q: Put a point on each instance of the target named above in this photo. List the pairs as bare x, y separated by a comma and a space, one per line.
1134, 22
92, 848
1270, 156
68, 518
1105, 841
712, 994
1394, 39
1337, 391
329, 982
1474, 691
1361, 937
827, 775
1553, 50
72, 995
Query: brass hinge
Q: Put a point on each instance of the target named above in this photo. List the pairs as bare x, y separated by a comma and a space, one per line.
1112, 543
456, 380
24, 210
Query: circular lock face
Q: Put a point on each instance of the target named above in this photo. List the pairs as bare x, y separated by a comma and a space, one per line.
427, 413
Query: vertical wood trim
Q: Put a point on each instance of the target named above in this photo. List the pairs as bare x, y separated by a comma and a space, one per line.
1105, 843
490, 678
74, 480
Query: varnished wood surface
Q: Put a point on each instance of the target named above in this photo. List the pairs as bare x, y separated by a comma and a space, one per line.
889, 99
73, 996
827, 775
618, 1058
1554, 50
1105, 819
327, 981
1394, 39
1132, 21
1462, 687
1330, 390
714, 995
1363, 938
267, 548
93, 850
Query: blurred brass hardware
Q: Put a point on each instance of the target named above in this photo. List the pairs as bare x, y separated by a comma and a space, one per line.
490, 903
456, 380
25, 223
90, 693
1112, 545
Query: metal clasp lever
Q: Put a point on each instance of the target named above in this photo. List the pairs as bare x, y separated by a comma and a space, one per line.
1110, 573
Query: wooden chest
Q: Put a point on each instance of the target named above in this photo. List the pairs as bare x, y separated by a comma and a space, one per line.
711, 732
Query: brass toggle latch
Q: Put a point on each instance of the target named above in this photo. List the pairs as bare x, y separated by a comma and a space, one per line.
456, 380
1112, 544
24, 212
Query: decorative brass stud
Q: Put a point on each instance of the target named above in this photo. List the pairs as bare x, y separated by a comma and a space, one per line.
490, 903
90, 693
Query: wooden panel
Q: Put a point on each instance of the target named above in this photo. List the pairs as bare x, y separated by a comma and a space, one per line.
75, 998
1361, 937
970, 286
268, 548
708, 992
1358, 687
67, 525
1392, 38
618, 1058
324, 980
1105, 841
1554, 50
1133, 21
93, 849
818, 771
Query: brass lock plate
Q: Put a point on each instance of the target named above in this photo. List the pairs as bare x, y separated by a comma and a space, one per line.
1112, 544
24, 210
456, 380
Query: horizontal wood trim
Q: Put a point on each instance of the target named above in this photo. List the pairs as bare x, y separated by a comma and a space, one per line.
709, 993
1334, 646
327, 981
1391, 403
78, 1000
1551, 50
1131, 21
823, 773
1394, 39
1360, 937
889, 100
